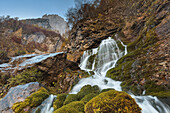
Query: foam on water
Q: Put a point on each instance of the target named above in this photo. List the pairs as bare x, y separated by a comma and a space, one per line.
106, 56
28, 60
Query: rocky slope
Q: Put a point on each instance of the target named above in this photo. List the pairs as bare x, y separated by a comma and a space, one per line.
17, 38
144, 27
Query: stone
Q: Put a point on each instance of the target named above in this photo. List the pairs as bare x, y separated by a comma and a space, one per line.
17, 94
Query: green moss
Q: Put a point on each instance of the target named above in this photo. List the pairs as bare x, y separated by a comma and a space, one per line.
70, 98
33, 101
91, 59
86, 90
66, 110
30, 75
162, 94
112, 102
151, 38
104, 90
59, 101
73, 107
125, 72
121, 47
82, 93
133, 45
88, 97
156, 90
38, 110
121, 72
130, 56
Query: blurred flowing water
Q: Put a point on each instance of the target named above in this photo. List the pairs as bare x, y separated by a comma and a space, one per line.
98, 60
105, 58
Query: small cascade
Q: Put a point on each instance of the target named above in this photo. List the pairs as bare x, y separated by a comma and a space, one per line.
46, 106
103, 58
100, 60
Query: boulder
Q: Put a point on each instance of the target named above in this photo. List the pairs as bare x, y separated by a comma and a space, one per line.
112, 102
17, 94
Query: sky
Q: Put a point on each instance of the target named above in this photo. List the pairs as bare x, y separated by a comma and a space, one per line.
34, 8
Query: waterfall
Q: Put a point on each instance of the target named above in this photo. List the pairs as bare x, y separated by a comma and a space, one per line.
104, 58
100, 60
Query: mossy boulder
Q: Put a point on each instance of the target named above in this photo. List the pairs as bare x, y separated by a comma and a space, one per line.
73, 107
112, 102
59, 101
32, 101
87, 90
88, 97
104, 90
70, 98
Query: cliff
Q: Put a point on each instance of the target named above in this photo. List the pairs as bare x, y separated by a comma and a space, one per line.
51, 22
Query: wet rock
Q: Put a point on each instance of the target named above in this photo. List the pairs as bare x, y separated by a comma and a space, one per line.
17, 94
54, 65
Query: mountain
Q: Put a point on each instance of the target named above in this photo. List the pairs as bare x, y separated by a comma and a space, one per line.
51, 22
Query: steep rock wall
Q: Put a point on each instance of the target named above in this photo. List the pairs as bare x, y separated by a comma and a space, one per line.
52, 22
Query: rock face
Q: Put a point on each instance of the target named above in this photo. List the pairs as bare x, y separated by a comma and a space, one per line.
49, 44
87, 36
144, 28
56, 64
40, 22
52, 22
57, 23
17, 94
4, 57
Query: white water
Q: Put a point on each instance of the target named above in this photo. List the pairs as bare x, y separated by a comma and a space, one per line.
107, 54
46, 106
28, 60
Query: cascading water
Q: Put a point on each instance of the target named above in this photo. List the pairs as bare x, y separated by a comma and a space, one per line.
46, 106
105, 58
100, 60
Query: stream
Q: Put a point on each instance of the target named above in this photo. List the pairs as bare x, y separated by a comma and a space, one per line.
98, 60
105, 58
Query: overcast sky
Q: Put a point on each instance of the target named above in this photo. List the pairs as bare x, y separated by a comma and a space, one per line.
34, 8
